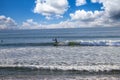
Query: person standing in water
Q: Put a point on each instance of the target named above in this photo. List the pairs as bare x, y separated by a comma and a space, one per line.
56, 42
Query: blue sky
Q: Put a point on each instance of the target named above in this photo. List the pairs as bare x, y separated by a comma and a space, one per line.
28, 14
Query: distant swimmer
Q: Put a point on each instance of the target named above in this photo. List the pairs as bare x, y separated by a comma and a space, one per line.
1, 41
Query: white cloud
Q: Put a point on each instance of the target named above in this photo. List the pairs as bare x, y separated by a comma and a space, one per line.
111, 7
80, 2
85, 15
30, 24
109, 17
95, 1
7, 23
50, 8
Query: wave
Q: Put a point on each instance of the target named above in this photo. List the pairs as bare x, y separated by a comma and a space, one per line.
96, 43
64, 69
27, 44
69, 43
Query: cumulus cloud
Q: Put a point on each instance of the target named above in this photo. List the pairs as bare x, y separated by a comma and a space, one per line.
111, 8
30, 24
85, 15
80, 2
95, 1
50, 8
110, 15
7, 23
63, 24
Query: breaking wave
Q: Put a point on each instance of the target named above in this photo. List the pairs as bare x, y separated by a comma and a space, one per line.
70, 43
99, 69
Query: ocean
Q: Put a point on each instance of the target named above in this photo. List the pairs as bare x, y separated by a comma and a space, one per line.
81, 54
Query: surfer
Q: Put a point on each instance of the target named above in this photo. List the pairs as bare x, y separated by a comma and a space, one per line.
56, 42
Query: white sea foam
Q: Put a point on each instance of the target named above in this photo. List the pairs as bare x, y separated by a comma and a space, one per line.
96, 68
62, 58
70, 43
94, 42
